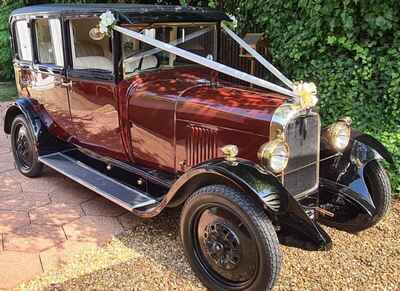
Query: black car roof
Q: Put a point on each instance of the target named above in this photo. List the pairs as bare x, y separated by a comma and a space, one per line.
136, 13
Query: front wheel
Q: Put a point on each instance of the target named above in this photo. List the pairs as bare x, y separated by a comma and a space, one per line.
229, 240
24, 148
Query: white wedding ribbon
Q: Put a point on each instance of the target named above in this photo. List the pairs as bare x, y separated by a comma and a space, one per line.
213, 65
258, 57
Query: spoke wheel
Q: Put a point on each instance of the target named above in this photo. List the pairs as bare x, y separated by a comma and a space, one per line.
229, 240
24, 148
24, 151
224, 245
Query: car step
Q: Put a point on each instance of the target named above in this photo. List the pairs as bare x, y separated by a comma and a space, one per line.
121, 194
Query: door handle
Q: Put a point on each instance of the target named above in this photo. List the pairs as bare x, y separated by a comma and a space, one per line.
66, 84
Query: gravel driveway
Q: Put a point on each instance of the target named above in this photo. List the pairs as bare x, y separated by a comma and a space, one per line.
149, 257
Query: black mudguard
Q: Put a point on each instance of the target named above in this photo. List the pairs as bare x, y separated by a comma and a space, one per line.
266, 190
45, 142
342, 185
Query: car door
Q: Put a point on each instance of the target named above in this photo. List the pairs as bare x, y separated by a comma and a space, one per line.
93, 93
49, 85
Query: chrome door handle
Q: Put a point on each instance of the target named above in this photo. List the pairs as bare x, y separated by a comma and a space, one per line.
66, 84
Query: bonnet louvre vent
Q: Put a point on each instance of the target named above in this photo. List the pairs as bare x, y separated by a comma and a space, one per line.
201, 145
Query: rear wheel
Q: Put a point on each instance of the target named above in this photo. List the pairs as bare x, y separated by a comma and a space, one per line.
229, 240
24, 148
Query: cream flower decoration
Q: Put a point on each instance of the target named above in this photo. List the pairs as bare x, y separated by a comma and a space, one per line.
307, 93
107, 21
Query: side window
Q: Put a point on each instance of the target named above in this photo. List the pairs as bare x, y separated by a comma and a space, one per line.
49, 41
88, 53
24, 44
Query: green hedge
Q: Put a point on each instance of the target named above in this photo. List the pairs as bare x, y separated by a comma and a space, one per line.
6, 71
349, 48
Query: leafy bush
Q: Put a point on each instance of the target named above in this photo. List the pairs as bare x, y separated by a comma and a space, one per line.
349, 48
6, 71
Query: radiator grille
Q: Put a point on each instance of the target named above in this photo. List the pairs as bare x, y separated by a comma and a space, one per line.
302, 135
201, 145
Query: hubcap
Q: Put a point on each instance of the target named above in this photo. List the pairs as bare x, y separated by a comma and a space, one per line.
23, 148
224, 246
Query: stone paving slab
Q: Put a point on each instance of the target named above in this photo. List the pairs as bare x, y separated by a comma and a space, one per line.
55, 214
23, 201
102, 207
45, 221
98, 229
17, 267
11, 220
33, 238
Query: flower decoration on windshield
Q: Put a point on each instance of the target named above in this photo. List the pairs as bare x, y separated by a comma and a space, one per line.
107, 21
307, 93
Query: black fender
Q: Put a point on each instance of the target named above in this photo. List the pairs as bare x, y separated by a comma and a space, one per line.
264, 187
45, 141
24, 106
342, 175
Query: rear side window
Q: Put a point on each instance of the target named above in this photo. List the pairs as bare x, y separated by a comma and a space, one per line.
49, 41
88, 53
24, 44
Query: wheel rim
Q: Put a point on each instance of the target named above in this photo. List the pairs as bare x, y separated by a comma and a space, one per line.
224, 246
23, 148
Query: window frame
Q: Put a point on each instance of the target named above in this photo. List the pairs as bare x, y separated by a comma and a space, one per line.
88, 74
15, 34
143, 26
36, 60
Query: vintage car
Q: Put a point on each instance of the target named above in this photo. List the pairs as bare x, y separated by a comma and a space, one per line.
150, 129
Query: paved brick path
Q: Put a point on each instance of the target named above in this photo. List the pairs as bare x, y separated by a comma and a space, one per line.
45, 220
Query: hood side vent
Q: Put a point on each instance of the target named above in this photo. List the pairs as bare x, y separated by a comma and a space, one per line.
201, 145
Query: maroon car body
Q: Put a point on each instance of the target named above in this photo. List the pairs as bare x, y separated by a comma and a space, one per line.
165, 136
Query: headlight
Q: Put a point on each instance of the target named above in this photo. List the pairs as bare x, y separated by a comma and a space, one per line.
338, 134
274, 155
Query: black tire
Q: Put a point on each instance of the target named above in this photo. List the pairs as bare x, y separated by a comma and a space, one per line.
24, 148
378, 184
259, 272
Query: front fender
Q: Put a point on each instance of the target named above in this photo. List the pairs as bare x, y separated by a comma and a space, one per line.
343, 175
265, 189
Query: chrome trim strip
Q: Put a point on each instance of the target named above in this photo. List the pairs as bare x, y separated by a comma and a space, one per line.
282, 116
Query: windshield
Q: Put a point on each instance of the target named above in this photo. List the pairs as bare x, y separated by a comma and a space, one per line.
200, 39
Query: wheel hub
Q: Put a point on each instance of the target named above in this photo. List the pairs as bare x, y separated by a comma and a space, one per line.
222, 245
23, 148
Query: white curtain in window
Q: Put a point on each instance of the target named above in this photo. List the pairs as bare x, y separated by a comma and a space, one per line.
24, 40
56, 37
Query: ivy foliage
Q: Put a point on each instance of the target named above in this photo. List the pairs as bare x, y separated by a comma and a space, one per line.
349, 48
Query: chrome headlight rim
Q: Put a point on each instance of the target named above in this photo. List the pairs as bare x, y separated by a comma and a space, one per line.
268, 151
339, 134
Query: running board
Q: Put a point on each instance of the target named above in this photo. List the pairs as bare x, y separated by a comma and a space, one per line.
121, 194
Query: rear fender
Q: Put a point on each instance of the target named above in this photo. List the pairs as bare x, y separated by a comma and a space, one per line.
45, 142
23, 106
263, 187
